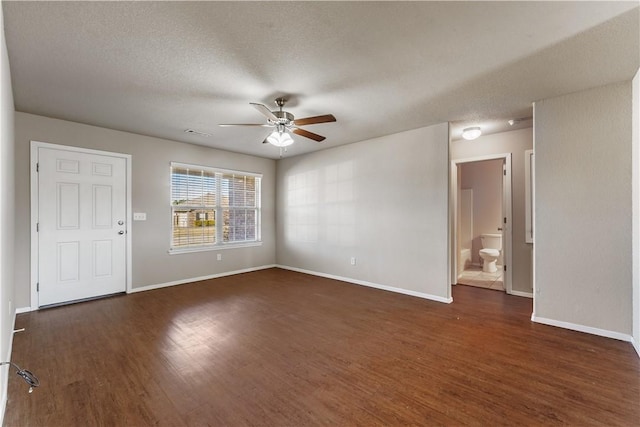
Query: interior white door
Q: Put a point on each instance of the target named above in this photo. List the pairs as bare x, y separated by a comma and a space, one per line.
507, 229
503, 221
81, 225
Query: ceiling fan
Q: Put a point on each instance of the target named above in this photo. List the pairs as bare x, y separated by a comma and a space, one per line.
284, 123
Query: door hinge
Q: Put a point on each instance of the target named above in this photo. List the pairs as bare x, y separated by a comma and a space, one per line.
505, 268
38, 287
37, 167
504, 172
504, 220
37, 227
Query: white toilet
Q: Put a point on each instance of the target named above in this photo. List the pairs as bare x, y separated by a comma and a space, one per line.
490, 252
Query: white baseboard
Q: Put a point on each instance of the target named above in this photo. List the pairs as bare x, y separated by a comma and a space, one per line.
197, 279
522, 294
370, 284
636, 345
582, 328
174, 283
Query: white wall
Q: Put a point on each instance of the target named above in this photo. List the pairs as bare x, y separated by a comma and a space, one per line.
583, 221
152, 265
636, 209
383, 201
514, 142
485, 179
7, 218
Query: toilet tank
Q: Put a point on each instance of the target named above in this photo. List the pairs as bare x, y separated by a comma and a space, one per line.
491, 241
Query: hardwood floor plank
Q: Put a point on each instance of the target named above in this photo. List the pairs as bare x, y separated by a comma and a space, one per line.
279, 348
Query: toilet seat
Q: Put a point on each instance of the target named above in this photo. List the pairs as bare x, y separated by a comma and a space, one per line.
490, 252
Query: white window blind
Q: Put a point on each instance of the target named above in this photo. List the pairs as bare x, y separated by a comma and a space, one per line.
240, 199
213, 207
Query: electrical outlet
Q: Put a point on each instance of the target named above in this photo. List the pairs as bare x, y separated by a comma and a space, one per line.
219, 257
139, 216
353, 260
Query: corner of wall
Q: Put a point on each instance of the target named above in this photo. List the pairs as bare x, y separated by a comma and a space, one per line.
635, 210
589, 130
7, 215
346, 182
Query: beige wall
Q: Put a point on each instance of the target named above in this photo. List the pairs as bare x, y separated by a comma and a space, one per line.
152, 265
583, 210
383, 201
7, 217
335, 204
485, 179
636, 209
514, 142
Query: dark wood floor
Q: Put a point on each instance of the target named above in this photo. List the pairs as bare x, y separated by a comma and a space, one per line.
278, 348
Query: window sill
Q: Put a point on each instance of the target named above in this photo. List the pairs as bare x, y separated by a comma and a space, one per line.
214, 248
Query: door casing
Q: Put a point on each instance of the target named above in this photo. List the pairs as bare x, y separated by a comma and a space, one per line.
35, 145
507, 209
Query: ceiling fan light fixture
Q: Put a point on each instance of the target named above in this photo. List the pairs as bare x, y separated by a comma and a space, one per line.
471, 133
285, 124
280, 139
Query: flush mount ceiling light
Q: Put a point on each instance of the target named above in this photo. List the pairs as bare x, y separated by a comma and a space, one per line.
471, 133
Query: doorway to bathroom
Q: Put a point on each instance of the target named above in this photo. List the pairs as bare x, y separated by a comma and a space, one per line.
481, 222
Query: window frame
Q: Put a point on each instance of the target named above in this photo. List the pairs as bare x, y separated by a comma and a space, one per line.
218, 209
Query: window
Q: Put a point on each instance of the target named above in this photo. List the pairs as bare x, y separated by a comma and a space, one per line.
211, 208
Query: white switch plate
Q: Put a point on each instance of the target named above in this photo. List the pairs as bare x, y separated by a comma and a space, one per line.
219, 257
353, 260
139, 216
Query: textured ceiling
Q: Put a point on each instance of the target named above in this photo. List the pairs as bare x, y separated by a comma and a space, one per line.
158, 68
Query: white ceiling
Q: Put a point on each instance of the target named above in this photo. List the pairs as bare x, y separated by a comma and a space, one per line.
158, 68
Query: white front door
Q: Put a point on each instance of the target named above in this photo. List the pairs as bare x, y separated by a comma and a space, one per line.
82, 225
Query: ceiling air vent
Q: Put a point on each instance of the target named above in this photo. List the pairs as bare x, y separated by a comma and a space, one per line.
195, 132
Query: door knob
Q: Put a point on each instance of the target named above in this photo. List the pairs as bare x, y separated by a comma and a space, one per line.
120, 222
499, 228
121, 232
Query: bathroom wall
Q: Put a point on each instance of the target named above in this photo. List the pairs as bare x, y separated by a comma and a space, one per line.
583, 210
465, 227
485, 180
514, 142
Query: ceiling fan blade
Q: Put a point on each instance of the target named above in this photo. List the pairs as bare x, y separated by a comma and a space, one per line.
308, 134
264, 110
244, 124
315, 120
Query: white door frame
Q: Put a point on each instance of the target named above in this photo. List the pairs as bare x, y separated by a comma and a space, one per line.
506, 228
35, 145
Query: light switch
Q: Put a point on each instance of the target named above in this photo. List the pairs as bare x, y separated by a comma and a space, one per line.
139, 216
